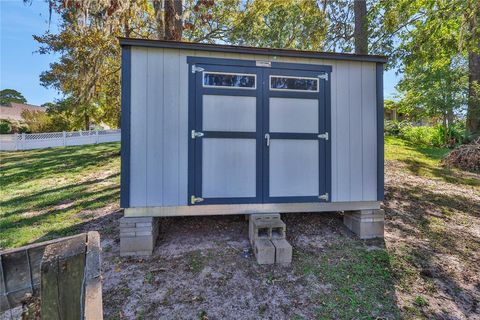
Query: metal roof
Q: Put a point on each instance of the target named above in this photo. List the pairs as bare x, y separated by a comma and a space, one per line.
250, 50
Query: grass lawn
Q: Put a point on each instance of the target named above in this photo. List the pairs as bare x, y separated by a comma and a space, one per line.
425, 162
46, 193
426, 267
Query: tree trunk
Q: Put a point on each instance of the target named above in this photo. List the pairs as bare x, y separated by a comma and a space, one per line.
159, 17
473, 112
126, 22
361, 29
173, 20
87, 121
445, 131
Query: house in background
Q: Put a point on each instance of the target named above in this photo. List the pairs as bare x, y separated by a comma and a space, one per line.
392, 112
13, 111
393, 115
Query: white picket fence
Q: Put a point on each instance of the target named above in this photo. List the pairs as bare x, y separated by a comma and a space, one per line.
12, 142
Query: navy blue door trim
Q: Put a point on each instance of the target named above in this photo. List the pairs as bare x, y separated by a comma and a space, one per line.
125, 126
252, 63
195, 115
323, 97
262, 92
229, 134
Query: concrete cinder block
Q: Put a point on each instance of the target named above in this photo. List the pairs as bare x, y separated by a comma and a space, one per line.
142, 229
256, 217
127, 224
136, 219
143, 224
127, 234
136, 253
138, 235
266, 229
143, 233
366, 224
137, 243
265, 216
264, 251
283, 251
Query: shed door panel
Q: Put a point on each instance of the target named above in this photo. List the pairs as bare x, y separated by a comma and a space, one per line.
229, 168
294, 154
228, 150
293, 115
293, 168
229, 113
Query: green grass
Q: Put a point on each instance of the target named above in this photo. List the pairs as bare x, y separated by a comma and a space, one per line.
425, 161
359, 281
44, 191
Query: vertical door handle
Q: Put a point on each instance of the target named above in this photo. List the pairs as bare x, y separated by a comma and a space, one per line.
267, 138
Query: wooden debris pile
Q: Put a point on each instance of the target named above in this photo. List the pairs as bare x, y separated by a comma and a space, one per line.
465, 157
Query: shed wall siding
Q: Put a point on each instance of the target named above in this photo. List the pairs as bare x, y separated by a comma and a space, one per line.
159, 126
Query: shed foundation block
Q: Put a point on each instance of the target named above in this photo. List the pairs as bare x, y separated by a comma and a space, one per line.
366, 224
138, 236
264, 251
265, 226
283, 251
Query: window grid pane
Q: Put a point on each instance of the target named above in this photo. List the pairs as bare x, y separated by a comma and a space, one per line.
293, 83
229, 80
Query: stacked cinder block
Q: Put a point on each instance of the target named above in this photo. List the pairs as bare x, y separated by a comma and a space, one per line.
367, 224
138, 236
267, 236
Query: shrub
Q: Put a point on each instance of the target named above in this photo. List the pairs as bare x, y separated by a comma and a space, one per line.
394, 127
425, 136
5, 127
456, 132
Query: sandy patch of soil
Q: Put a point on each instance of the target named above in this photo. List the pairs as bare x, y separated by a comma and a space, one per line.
433, 233
198, 271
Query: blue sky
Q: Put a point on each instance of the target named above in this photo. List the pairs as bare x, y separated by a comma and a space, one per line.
21, 65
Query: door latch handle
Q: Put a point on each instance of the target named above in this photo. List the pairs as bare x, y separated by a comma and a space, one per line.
267, 138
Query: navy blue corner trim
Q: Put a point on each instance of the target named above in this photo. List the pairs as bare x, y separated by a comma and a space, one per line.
125, 127
380, 134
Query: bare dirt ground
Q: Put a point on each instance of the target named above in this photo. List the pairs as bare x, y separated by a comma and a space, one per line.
427, 267
433, 235
198, 272
432, 244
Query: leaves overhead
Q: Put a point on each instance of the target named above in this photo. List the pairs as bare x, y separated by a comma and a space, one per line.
429, 41
298, 24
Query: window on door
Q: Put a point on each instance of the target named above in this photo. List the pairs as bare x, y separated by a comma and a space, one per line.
285, 83
229, 80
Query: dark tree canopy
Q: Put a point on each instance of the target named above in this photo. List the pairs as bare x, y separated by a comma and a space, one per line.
11, 95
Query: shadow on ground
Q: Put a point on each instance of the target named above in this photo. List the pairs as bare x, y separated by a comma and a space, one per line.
198, 270
434, 240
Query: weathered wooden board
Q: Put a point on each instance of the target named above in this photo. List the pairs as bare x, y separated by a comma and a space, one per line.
62, 268
93, 309
20, 272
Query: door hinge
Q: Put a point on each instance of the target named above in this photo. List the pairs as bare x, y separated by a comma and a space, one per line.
194, 199
196, 134
197, 69
323, 76
323, 136
323, 197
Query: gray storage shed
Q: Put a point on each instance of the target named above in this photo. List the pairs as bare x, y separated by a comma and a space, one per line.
218, 129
